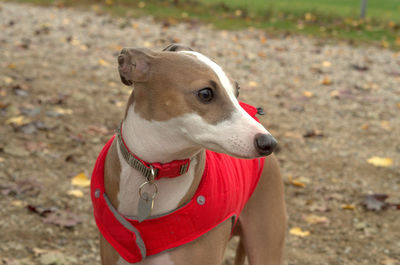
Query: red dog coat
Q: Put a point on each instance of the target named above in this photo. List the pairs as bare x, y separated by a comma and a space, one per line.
226, 185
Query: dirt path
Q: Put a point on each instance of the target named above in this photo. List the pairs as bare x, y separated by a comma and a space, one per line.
60, 99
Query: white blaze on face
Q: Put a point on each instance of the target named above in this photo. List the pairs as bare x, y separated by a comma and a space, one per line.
234, 136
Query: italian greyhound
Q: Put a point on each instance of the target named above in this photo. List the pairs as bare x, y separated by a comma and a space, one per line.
150, 190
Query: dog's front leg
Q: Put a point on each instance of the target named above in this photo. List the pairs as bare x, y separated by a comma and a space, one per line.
263, 220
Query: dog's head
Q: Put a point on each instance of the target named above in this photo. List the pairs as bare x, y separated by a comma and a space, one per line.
192, 96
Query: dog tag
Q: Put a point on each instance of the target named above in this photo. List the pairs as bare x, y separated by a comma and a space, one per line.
146, 204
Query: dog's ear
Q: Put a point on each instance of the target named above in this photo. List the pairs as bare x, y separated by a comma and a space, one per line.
176, 47
134, 65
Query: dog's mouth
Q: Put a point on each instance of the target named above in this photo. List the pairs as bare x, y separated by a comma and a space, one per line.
218, 148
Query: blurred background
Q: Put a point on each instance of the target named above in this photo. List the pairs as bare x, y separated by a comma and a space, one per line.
327, 74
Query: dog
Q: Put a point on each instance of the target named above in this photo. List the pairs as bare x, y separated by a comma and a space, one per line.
168, 188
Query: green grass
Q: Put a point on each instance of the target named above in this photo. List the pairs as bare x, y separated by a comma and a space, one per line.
386, 10
328, 19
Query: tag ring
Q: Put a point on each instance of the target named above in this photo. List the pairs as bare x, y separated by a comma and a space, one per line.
148, 183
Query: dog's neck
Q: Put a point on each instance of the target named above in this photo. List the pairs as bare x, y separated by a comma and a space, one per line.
155, 141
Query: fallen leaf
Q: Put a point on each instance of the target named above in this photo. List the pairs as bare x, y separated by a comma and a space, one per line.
116, 47
262, 54
308, 94
25, 187
17, 203
298, 182
385, 44
313, 133
141, 4
42, 211
58, 112
75, 193
398, 105
263, 39
326, 64
103, 62
8, 80
335, 94
348, 206
310, 17
63, 219
365, 126
316, 219
39, 251
80, 180
11, 66
296, 231
380, 161
238, 12
326, 81
375, 202
17, 120
253, 84
360, 68
386, 125
62, 110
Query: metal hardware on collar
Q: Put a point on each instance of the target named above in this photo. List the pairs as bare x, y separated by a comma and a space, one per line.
151, 171
152, 176
148, 183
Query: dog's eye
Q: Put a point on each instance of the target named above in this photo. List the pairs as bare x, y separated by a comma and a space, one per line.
205, 94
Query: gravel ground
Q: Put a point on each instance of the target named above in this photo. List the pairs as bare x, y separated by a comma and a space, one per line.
332, 107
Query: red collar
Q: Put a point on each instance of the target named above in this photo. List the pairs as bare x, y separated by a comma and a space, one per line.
172, 169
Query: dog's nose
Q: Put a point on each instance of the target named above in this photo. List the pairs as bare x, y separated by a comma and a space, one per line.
265, 144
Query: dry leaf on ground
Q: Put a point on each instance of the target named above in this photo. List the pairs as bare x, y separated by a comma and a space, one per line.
375, 202
296, 231
253, 84
75, 193
308, 94
327, 81
313, 133
380, 161
80, 180
316, 219
17, 120
63, 219
348, 206
298, 182
103, 62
